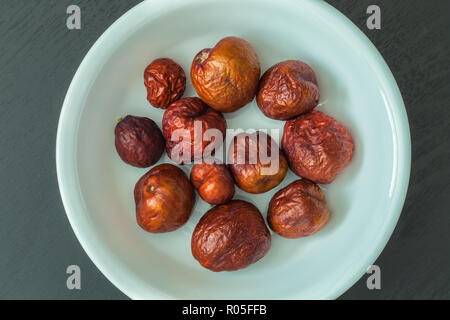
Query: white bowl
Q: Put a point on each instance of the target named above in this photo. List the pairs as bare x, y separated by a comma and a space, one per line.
357, 88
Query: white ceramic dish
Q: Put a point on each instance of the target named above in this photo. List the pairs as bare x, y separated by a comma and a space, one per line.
357, 88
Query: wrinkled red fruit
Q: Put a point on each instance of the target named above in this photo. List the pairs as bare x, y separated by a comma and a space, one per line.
263, 174
213, 182
165, 81
298, 210
288, 89
164, 198
183, 114
139, 142
226, 76
230, 236
317, 146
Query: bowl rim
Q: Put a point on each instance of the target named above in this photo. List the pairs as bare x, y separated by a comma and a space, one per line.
74, 102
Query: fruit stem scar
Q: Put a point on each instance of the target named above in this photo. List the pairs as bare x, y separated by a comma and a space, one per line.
204, 55
119, 119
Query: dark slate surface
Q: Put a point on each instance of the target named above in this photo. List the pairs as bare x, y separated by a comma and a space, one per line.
38, 57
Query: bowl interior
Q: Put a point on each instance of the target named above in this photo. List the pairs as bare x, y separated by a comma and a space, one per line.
362, 199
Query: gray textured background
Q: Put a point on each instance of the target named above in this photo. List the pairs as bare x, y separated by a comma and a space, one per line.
38, 57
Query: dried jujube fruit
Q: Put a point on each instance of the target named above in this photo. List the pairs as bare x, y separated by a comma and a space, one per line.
184, 115
226, 76
317, 146
298, 210
230, 236
165, 82
164, 198
256, 162
213, 182
288, 89
139, 141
